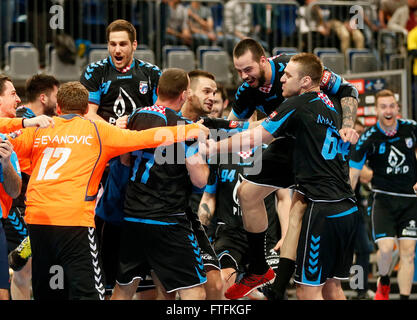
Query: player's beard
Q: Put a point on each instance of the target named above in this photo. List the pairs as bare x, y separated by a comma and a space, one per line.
261, 79
49, 111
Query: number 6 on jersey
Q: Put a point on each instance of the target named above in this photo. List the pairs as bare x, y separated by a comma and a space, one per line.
50, 174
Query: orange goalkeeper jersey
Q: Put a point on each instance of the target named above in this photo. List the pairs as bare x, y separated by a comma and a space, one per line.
10, 124
68, 160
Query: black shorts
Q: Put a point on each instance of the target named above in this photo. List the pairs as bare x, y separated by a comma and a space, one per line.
15, 227
231, 243
208, 253
66, 264
276, 165
108, 235
326, 244
393, 216
169, 248
4, 264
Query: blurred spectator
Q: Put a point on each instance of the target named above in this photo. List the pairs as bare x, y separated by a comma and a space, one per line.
404, 18
200, 22
263, 14
238, 23
177, 31
387, 9
315, 24
363, 245
345, 31
412, 52
220, 102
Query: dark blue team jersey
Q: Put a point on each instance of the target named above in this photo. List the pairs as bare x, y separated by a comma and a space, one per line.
392, 158
159, 185
116, 93
320, 156
248, 99
224, 181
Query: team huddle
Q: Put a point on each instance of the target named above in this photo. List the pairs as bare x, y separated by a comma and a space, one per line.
138, 187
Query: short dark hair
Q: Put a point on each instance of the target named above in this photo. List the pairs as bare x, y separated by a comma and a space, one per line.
251, 45
72, 97
121, 25
3, 80
222, 90
195, 74
172, 83
311, 66
39, 83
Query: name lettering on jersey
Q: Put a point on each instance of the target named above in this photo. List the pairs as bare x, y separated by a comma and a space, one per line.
323, 120
125, 77
63, 140
395, 160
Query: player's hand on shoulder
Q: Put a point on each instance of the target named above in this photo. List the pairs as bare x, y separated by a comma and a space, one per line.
41, 121
349, 135
122, 122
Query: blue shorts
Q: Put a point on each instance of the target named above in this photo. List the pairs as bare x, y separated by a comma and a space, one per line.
4, 265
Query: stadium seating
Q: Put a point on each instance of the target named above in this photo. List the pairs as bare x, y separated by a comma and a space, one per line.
145, 55
318, 51
62, 71
184, 59
364, 62
334, 61
217, 62
202, 49
168, 48
350, 52
278, 50
10, 45
97, 54
24, 62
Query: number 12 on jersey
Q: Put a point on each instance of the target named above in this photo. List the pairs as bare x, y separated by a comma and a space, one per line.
50, 173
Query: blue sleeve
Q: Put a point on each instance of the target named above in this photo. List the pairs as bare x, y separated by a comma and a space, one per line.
211, 186
15, 162
277, 121
357, 164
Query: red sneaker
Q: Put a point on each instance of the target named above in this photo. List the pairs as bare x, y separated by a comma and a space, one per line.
382, 291
248, 283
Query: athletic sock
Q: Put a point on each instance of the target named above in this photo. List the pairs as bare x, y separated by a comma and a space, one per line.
257, 261
283, 275
404, 297
384, 280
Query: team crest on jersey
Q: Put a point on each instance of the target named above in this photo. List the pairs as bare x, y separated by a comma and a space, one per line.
15, 134
143, 87
409, 142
